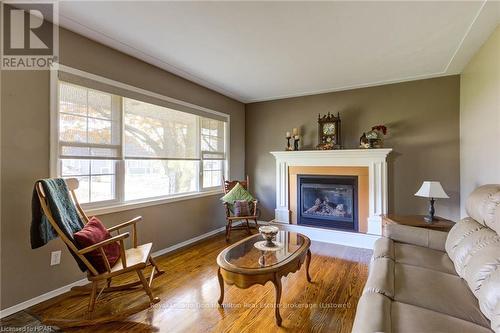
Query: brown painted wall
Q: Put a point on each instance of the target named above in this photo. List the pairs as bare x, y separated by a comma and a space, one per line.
423, 121
26, 273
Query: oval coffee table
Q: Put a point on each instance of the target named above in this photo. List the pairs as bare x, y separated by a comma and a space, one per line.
244, 265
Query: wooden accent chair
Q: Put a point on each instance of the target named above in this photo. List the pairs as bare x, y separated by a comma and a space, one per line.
230, 218
136, 258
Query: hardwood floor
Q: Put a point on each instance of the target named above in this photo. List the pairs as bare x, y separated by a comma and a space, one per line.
189, 291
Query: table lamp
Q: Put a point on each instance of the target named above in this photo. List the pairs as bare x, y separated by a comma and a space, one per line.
432, 190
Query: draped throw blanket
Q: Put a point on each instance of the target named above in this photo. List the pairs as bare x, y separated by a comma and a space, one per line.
63, 211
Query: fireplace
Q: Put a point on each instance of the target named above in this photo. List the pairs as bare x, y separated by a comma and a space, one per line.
328, 201
369, 165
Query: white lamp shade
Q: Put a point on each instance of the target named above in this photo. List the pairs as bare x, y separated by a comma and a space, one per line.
431, 190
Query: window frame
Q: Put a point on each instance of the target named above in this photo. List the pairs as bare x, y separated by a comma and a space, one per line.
203, 152
116, 108
119, 203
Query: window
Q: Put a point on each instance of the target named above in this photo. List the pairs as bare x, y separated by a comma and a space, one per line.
212, 151
124, 150
89, 141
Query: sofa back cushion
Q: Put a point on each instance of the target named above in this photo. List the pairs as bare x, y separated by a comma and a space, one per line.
461, 231
483, 206
473, 244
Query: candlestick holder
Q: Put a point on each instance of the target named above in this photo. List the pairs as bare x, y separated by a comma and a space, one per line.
288, 146
296, 140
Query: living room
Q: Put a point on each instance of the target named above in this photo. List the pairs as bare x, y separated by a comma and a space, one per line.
250, 166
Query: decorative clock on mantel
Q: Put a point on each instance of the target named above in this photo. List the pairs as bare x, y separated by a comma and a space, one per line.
329, 132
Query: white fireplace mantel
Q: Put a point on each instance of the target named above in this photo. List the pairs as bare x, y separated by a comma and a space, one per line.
374, 159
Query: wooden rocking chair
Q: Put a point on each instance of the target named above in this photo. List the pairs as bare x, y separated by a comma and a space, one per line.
136, 258
228, 186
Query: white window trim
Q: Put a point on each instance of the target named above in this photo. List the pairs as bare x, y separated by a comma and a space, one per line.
202, 159
108, 207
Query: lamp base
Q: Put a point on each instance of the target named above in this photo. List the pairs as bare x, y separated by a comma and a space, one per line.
429, 219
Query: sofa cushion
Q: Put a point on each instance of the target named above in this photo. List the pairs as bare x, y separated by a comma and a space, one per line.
437, 291
423, 257
482, 205
409, 318
495, 320
489, 297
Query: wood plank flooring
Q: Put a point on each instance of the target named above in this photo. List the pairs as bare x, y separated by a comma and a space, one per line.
189, 291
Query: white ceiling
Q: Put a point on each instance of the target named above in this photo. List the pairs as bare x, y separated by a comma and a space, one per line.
255, 51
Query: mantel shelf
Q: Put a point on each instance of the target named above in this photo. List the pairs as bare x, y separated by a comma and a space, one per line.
364, 153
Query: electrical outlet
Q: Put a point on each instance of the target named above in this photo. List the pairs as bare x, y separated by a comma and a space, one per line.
55, 258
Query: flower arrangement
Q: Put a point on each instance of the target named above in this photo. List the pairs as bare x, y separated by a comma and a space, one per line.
373, 138
380, 128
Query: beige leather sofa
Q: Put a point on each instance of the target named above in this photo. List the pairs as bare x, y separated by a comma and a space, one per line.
422, 280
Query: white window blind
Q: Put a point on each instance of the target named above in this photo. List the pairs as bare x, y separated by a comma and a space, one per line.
161, 150
153, 131
124, 149
213, 155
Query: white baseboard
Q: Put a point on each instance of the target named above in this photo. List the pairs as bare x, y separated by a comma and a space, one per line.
187, 242
353, 239
31, 302
41, 298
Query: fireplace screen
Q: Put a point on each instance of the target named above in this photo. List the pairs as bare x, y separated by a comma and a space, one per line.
328, 201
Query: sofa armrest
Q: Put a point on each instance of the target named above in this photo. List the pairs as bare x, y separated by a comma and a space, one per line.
432, 239
373, 314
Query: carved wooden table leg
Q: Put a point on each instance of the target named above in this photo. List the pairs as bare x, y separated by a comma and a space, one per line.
277, 286
308, 262
221, 284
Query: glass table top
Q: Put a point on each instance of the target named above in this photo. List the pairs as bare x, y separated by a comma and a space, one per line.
247, 255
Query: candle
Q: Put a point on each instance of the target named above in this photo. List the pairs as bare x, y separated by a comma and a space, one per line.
295, 131
288, 135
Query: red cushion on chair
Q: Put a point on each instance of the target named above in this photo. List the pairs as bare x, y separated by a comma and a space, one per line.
92, 233
241, 208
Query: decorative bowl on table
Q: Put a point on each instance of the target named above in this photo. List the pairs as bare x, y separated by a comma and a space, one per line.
269, 232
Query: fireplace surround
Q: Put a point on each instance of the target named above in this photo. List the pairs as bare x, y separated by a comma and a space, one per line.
375, 181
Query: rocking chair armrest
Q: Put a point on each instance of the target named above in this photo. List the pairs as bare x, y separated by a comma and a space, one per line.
96, 246
125, 224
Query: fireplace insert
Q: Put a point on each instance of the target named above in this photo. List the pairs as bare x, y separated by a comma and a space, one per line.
328, 201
